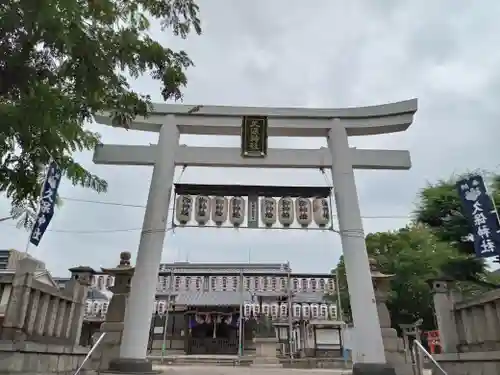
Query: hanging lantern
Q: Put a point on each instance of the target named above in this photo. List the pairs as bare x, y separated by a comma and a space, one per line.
321, 211
183, 208
285, 211
283, 310
314, 310
323, 311
306, 310
202, 209
303, 209
256, 309
331, 284
297, 311
322, 284
219, 210
95, 308
268, 211
236, 211
247, 310
155, 307
332, 312
266, 309
274, 310
161, 307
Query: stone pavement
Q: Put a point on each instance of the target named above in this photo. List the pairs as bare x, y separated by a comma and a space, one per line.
230, 370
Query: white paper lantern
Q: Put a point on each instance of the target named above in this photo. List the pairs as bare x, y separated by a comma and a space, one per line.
314, 310
321, 211
297, 310
88, 307
183, 208
285, 211
331, 284
323, 311
332, 312
236, 211
247, 310
219, 210
275, 310
322, 284
283, 310
266, 309
95, 308
303, 211
202, 209
306, 310
155, 307
255, 309
268, 208
161, 307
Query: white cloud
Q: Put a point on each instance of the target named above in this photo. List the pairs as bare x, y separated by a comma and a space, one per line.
314, 54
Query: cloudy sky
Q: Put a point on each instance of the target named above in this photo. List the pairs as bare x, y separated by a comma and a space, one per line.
320, 53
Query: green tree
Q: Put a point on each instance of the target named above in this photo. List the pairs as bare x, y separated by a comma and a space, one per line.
413, 255
61, 61
439, 208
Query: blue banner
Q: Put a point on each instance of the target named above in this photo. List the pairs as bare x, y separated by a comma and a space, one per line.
47, 203
479, 210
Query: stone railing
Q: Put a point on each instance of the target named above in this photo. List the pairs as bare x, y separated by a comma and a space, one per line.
41, 323
469, 330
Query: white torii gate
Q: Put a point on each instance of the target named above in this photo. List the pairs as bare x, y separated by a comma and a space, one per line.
334, 124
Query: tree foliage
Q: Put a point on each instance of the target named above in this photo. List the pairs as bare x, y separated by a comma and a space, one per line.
413, 255
439, 208
61, 61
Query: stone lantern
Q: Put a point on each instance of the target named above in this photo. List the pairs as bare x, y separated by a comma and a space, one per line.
393, 345
109, 349
122, 275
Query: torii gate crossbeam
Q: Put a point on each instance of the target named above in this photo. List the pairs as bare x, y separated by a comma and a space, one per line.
334, 124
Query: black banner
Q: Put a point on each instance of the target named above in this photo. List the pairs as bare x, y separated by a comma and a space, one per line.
47, 203
254, 136
480, 211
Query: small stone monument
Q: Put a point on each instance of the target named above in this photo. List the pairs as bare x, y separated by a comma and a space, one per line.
109, 347
266, 343
393, 345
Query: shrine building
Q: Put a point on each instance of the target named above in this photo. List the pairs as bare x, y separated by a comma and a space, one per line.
198, 306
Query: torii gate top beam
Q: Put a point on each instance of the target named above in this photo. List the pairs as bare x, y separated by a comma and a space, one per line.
283, 122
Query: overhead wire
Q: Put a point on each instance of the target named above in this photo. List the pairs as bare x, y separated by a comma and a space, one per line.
353, 233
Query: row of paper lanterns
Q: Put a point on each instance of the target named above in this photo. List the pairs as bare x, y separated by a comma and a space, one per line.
304, 310
285, 210
94, 308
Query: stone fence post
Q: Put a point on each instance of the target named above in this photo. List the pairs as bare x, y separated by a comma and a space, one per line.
78, 286
444, 300
17, 307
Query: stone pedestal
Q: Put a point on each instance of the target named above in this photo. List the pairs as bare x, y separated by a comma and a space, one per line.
265, 350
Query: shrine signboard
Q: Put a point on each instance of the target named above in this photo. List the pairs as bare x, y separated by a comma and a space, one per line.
254, 136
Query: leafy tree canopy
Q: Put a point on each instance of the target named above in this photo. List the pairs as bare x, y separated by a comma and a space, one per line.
413, 255
435, 243
61, 61
439, 208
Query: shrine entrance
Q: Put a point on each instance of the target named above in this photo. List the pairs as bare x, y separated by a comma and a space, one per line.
209, 203
212, 332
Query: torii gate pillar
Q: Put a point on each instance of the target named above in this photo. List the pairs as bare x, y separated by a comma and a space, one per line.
369, 345
336, 124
